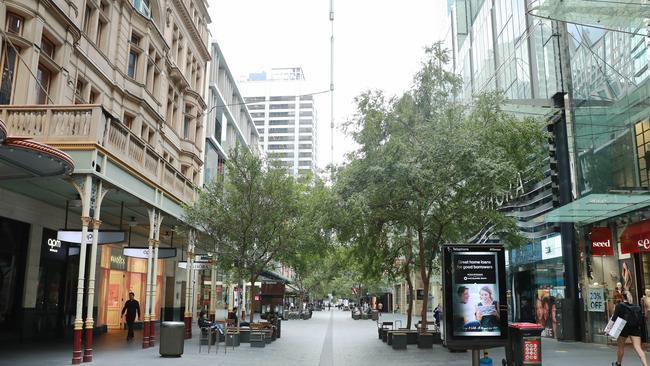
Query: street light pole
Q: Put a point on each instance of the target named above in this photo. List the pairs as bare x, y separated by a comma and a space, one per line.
332, 85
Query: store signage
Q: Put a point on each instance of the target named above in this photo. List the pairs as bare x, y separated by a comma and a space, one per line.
143, 252
636, 237
475, 293
54, 245
601, 241
202, 259
103, 238
195, 265
552, 247
596, 299
117, 260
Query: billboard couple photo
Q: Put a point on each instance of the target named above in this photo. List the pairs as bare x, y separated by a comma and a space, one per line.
476, 299
476, 309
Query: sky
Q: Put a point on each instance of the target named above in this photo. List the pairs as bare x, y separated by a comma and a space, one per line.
378, 44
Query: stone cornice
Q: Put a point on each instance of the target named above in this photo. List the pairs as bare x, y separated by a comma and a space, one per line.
61, 15
189, 23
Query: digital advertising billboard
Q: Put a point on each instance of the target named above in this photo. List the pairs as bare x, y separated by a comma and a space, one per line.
475, 295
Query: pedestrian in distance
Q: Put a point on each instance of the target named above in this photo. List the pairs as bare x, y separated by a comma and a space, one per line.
631, 313
131, 308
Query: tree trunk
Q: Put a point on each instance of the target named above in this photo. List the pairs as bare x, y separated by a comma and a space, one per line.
409, 280
409, 311
251, 312
425, 278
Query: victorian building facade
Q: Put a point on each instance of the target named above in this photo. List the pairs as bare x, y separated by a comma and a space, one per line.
119, 86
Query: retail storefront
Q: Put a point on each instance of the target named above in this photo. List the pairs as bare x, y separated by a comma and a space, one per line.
13, 248
119, 276
536, 284
618, 267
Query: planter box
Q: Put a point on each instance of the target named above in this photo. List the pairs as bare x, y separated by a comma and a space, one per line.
399, 340
425, 340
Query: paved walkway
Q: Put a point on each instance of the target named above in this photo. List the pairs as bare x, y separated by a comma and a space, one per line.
329, 338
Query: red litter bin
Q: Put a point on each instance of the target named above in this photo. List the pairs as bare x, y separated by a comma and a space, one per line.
524, 345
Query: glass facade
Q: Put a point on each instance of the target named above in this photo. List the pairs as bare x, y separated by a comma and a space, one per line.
609, 71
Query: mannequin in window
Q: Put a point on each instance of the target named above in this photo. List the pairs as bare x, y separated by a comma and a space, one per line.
618, 293
627, 277
645, 303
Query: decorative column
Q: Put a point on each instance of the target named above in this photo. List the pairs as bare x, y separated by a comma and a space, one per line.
154, 281
213, 290
188, 286
83, 187
96, 203
147, 301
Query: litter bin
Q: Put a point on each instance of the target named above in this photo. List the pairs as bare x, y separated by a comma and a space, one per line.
524, 345
172, 339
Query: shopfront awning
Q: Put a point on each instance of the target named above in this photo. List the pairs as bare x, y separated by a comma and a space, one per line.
267, 276
598, 207
25, 158
596, 13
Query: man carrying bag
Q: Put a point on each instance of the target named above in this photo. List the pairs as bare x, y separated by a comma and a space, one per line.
626, 322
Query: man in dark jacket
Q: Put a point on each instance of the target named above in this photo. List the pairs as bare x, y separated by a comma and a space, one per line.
131, 308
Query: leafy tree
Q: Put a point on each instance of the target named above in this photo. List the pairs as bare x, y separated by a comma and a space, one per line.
248, 217
430, 167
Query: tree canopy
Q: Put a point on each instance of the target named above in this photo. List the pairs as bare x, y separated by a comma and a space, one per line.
429, 169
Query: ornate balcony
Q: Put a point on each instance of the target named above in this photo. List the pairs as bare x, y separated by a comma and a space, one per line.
78, 127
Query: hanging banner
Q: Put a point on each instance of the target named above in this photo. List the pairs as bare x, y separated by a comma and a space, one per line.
552, 247
195, 265
601, 241
104, 237
143, 252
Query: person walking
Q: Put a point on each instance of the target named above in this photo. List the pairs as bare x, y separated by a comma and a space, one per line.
131, 308
632, 315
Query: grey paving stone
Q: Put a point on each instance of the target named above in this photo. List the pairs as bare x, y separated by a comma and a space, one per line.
329, 338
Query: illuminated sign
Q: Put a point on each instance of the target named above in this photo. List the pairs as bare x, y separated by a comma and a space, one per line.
54, 245
475, 296
103, 238
195, 265
552, 247
143, 252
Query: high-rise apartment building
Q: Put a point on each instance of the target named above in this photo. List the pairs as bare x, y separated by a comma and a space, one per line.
283, 109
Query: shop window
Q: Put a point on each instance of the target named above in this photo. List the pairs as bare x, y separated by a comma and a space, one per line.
44, 77
9, 62
15, 23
